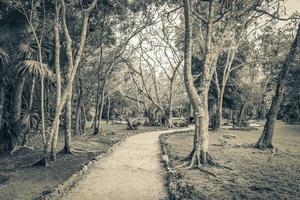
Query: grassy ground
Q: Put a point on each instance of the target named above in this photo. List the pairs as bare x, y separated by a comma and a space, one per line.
256, 174
17, 182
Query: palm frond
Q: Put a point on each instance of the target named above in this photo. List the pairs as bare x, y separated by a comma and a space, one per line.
3, 56
34, 67
25, 50
28, 121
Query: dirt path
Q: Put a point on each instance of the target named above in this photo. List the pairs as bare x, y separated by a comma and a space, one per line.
133, 171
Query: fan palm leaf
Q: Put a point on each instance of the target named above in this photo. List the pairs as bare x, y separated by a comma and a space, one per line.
29, 120
25, 50
34, 67
3, 56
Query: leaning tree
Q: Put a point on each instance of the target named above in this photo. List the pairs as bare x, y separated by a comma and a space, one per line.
265, 140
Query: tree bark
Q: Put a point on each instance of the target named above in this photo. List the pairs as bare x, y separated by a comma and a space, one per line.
199, 99
57, 73
31, 93
99, 118
17, 100
95, 123
51, 143
78, 112
68, 124
108, 110
265, 140
170, 109
241, 114
2, 101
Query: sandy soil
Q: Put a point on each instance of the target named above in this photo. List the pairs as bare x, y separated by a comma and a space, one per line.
18, 183
132, 172
256, 174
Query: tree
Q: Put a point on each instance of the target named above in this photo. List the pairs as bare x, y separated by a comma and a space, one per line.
265, 140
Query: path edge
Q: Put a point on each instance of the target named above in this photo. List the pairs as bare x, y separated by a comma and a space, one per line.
172, 183
58, 192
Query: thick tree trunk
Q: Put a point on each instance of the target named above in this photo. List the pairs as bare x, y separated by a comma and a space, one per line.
200, 154
265, 140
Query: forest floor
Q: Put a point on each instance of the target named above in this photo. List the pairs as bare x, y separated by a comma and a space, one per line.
18, 182
255, 174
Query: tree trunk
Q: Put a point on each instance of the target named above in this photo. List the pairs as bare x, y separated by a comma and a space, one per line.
58, 78
78, 114
52, 140
17, 100
216, 117
199, 155
170, 113
265, 140
68, 125
98, 130
32, 87
43, 112
83, 121
241, 114
2, 101
108, 110
95, 123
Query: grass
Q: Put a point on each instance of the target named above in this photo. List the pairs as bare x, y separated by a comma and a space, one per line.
256, 174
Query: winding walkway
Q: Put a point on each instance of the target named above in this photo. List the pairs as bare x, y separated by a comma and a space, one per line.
132, 172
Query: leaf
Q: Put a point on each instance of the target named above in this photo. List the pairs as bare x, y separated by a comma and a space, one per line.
34, 67
3, 56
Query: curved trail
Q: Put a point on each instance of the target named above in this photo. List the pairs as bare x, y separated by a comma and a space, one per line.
133, 171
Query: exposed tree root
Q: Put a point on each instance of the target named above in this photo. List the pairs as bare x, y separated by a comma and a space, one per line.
69, 152
43, 162
246, 146
21, 147
196, 160
262, 146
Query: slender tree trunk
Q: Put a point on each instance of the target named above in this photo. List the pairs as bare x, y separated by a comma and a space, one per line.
43, 112
2, 101
108, 109
170, 113
101, 107
68, 124
83, 121
31, 93
265, 140
241, 114
58, 78
78, 110
17, 99
95, 123
216, 117
75, 64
